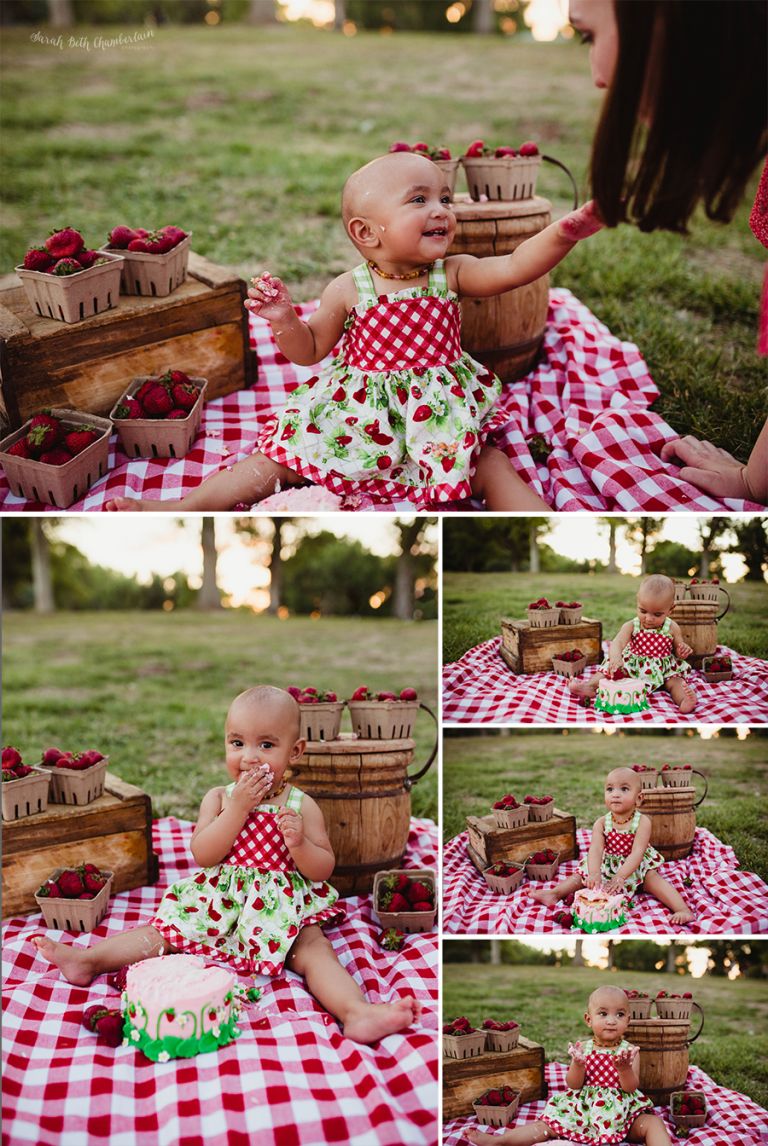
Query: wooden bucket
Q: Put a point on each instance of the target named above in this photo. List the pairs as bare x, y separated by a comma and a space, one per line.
505, 332
698, 624
664, 1057
363, 788
673, 817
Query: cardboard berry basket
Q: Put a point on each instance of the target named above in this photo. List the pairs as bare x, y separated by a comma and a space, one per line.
543, 618
677, 777
714, 677
705, 592
691, 1121
58, 485
158, 437
540, 813
510, 817
542, 871
569, 616
640, 1008
501, 1042
489, 1115
449, 167
153, 275
649, 778
75, 914
508, 177
505, 884
411, 922
26, 796
69, 786
384, 719
464, 1046
569, 669
72, 298
674, 1008
681, 588
320, 721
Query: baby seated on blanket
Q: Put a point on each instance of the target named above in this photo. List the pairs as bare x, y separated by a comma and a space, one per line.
650, 647
260, 899
620, 857
603, 1102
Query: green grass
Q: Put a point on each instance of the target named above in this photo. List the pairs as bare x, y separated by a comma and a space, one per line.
473, 604
151, 690
549, 1003
245, 135
572, 765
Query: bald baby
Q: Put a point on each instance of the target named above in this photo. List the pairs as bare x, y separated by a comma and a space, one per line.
625, 776
658, 588
275, 701
383, 177
603, 995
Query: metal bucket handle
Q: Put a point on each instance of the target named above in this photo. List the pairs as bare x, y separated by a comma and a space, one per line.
557, 163
728, 603
701, 1025
706, 788
409, 780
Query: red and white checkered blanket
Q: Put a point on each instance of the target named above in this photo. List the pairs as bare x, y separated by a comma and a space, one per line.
480, 688
589, 396
733, 1119
291, 1079
723, 898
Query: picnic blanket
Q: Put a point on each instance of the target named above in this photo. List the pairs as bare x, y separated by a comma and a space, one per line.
724, 899
733, 1119
589, 397
291, 1079
481, 689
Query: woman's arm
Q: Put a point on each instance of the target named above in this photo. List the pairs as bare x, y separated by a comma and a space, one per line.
304, 343
307, 840
717, 472
595, 854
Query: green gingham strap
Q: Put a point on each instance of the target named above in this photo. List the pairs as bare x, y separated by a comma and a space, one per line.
666, 627
437, 277
366, 292
636, 626
295, 798
631, 827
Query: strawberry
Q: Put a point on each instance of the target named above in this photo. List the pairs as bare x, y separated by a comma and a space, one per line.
89, 758
87, 259
502, 152
94, 882
110, 1029
65, 243
529, 148
21, 770
11, 757
20, 449
175, 234
476, 149
391, 939
274, 945
294, 691
441, 153
157, 402
37, 259
399, 903
45, 431
177, 414
421, 148
58, 456
120, 237
422, 905
50, 890
386, 696
129, 408
494, 1098
138, 244
360, 693
9, 774
398, 145
91, 1014
50, 755
70, 884
87, 895
184, 394
422, 413
78, 440
383, 462
419, 891
66, 267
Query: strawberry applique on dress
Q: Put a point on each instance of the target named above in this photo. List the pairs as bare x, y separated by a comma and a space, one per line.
601, 1112
401, 412
249, 908
650, 656
618, 845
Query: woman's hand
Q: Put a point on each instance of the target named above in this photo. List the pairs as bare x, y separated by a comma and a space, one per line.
581, 223
291, 824
708, 467
577, 1053
269, 298
251, 789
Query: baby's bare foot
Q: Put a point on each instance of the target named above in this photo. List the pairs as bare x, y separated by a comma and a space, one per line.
688, 702
75, 964
373, 1021
681, 917
549, 898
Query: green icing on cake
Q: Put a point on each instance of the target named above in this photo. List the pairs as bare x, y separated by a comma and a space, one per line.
171, 1046
592, 928
626, 709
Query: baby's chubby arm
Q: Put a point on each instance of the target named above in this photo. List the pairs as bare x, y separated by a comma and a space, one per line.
618, 645
595, 854
682, 649
577, 1071
632, 862
481, 278
304, 343
307, 840
221, 817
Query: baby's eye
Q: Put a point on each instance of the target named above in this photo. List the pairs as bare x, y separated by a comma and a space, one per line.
266, 744
236, 743
446, 199
418, 199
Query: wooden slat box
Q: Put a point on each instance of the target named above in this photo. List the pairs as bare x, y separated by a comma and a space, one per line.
114, 832
528, 650
489, 844
201, 328
465, 1079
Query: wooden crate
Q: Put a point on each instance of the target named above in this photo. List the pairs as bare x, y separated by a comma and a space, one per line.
201, 328
114, 832
528, 650
466, 1079
489, 844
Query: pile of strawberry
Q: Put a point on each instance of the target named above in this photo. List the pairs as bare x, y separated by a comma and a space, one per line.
689, 1103
421, 149
538, 800
82, 882
157, 242
391, 939
459, 1026
507, 801
704, 581
720, 663
399, 893
311, 695
74, 761
170, 395
633, 994
501, 1097
567, 604
106, 1022
495, 1025
13, 766
364, 693
52, 441
503, 869
676, 767
63, 253
545, 857
641, 768
570, 656
478, 150
667, 995
542, 603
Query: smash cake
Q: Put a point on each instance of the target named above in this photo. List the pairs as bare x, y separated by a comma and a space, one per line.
625, 695
176, 1007
596, 910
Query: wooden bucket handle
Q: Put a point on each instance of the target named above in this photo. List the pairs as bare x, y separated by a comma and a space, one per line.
409, 780
720, 616
706, 787
557, 163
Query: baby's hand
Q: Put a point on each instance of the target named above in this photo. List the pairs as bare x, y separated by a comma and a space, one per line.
581, 223
593, 881
291, 824
251, 788
615, 885
576, 1051
683, 650
627, 1056
269, 298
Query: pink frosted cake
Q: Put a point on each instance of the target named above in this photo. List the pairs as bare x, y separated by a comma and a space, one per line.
624, 696
596, 910
175, 1007
309, 498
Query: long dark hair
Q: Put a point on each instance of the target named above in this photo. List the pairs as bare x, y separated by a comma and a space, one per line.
685, 118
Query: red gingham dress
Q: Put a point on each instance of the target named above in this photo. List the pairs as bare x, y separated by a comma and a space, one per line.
601, 1112
401, 412
618, 845
650, 656
249, 908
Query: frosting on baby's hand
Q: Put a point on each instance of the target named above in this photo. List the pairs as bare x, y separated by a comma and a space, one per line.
581, 223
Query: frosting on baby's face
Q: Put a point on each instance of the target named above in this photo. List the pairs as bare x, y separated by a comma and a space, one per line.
262, 733
607, 1015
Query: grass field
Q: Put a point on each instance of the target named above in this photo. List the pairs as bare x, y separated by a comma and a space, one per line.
473, 604
549, 1003
573, 765
151, 690
244, 136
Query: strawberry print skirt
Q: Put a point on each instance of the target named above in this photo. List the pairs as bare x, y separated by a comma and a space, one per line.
595, 1114
249, 918
611, 864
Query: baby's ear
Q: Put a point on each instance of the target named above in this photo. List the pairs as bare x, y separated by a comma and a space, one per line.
588, 1018
298, 749
362, 234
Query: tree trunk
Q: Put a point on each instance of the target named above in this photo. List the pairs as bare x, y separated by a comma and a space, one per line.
495, 953
612, 547
261, 12
578, 957
404, 598
482, 17
60, 13
533, 547
41, 568
611, 953
671, 959
704, 564
276, 568
209, 596
339, 14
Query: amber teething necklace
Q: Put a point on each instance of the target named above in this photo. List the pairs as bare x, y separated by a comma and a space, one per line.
400, 278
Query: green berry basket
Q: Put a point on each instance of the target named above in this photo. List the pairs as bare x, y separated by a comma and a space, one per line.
384, 719
320, 721
158, 437
69, 786
505, 884
26, 796
58, 485
678, 777
464, 1046
690, 1121
568, 669
510, 817
540, 813
411, 922
153, 275
673, 1008
501, 1042
648, 779
496, 1115
75, 914
72, 298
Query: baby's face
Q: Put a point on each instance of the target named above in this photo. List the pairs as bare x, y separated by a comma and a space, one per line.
258, 734
622, 791
652, 611
608, 1016
409, 210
